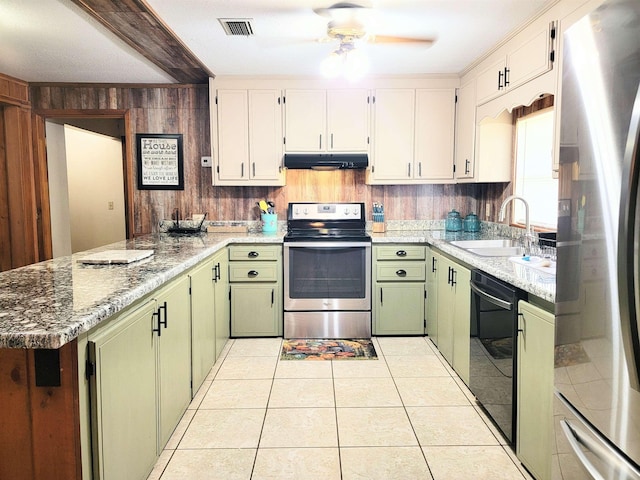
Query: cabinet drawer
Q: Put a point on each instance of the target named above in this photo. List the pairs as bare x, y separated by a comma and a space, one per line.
255, 252
400, 252
253, 272
400, 272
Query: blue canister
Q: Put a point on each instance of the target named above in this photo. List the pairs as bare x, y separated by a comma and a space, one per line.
471, 223
453, 223
269, 222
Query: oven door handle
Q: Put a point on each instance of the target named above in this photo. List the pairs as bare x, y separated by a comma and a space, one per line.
498, 302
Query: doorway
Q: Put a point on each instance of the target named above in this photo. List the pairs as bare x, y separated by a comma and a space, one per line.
86, 185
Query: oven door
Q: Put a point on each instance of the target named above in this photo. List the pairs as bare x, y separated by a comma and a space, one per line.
327, 275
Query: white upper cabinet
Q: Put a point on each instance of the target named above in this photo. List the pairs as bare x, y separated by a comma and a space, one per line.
393, 130
413, 136
434, 136
525, 59
249, 137
327, 120
465, 130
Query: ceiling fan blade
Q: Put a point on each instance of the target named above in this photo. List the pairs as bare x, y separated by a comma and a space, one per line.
392, 39
340, 10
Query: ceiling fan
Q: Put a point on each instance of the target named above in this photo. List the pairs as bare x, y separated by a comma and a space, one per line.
348, 23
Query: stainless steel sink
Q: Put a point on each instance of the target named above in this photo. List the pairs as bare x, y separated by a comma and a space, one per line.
503, 247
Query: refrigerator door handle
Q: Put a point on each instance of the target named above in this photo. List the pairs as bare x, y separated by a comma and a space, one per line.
628, 281
579, 441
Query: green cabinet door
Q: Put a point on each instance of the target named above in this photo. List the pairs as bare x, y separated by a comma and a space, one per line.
123, 392
535, 389
445, 309
399, 308
203, 326
222, 305
174, 355
461, 321
254, 308
431, 301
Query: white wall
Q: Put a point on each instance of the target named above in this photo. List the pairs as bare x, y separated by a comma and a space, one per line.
58, 190
96, 188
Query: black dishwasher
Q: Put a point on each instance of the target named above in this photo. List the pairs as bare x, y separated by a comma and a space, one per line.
493, 349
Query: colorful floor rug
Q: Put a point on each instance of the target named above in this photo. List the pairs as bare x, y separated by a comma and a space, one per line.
312, 349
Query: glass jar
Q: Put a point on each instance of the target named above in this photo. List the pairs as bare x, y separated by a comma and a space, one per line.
471, 223
453, 222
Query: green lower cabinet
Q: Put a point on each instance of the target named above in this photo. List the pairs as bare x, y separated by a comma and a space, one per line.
222, 305
203, 325
431, 300
174, 356
256, 310
123, 394
536, 329
399, 308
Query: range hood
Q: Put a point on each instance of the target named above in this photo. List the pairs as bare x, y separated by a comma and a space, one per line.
326, 161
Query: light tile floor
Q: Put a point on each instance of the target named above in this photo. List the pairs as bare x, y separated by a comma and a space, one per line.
406, 415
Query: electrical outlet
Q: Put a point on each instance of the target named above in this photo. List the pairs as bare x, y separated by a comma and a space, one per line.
487, 211
110, 204
206, 161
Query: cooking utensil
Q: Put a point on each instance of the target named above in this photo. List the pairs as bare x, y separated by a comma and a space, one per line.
263, 206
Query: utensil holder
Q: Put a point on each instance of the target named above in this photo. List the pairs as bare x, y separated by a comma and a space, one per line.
269, 222
378, 227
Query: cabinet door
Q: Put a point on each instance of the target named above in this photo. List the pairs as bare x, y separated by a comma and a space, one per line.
431, 307
393, 131
305, 121
233, 130
174, 355
445, 309
465, 130
461, 321
265, 136
254, 309
490, 81
535, 389
123, 395
348, 120
530, 58
203, 327
399, 308
434, 137
222, 305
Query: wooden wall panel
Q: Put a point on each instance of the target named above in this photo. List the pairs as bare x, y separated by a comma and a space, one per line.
185, 109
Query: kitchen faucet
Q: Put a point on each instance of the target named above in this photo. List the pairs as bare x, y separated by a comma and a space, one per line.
528, 234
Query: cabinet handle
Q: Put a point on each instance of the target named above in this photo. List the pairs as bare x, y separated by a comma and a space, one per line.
320, 143
401, 273
449, 277
467, 163
272, 297
253, 254
401, 253
381, 300
154, 329
254, 169
500, 74
433, 265
454, 274
409, 169
166, 317
506, 76
242, 170
214, 273
332, 140
252, 273
420, 169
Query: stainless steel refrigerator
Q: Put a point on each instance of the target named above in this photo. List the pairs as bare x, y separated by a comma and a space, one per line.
597, 351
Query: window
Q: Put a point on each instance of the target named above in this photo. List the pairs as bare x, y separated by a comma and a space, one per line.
534, 170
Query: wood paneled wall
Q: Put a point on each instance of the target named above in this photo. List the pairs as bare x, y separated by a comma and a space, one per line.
185, 109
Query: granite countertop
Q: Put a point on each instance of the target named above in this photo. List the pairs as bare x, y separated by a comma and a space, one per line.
48, 304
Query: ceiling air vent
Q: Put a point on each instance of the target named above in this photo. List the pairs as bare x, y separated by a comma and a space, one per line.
237, 26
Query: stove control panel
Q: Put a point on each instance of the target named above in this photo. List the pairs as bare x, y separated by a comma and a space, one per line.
326, 211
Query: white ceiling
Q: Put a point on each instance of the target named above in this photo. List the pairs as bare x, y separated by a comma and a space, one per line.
55, 41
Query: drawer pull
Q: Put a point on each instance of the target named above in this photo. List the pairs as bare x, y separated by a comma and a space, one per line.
401, 253
401, 273
253, 254
252, 273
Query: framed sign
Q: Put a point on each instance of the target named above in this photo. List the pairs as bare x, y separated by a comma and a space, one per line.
160, 164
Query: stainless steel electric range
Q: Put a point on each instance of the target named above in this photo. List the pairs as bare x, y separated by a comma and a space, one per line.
327, 271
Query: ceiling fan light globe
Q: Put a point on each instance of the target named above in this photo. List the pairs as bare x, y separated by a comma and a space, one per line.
356, 65
331, 67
